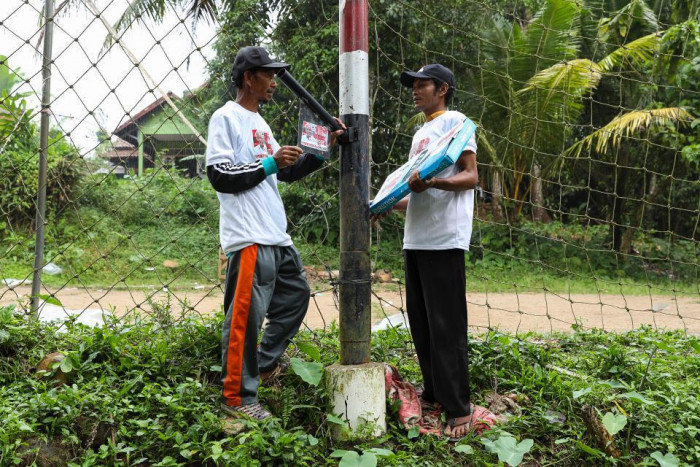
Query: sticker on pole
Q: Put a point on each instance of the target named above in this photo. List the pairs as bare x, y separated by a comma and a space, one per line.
432, 160
314, 136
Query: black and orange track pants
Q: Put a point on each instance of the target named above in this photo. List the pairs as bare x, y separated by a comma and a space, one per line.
262, 281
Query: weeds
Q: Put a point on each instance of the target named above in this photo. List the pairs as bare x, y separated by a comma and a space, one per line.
146, 391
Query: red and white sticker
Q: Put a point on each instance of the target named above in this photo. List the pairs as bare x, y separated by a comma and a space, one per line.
315, 136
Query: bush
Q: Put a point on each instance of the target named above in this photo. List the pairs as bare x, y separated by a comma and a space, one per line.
159, 195
19, 183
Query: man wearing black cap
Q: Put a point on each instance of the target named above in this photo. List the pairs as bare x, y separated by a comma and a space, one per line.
265, 277
439, 214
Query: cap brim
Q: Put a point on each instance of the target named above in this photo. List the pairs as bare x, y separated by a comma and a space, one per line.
276, 65
407, 77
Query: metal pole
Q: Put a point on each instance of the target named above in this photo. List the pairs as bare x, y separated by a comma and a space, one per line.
43, 157
355, 286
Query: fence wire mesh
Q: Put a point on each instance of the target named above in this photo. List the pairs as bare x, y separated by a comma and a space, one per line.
587, 210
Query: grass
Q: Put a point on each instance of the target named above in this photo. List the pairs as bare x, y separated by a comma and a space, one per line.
145, 393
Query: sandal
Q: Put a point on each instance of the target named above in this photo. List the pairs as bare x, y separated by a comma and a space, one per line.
270, 377
430, 406
252, 411
458, 422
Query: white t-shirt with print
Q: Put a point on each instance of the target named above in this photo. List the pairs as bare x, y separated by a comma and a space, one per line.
438, 219
239, 136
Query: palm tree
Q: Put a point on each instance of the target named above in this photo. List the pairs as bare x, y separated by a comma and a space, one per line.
534, 90
144, 11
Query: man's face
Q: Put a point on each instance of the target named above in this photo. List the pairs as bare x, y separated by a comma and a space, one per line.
262, 84
426, 97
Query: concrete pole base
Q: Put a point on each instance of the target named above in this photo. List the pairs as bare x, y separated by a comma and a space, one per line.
358, 396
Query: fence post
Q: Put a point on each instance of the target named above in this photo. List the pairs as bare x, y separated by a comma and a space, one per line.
354, 288
356, 386
43, 156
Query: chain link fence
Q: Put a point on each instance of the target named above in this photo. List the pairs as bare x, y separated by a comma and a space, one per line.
588, 205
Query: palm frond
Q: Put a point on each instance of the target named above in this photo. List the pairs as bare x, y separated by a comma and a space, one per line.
414, 121
635, 14
141, 11
551, 37
552, 100
636, 53
485, 146
204, 9
627, 125
573, 78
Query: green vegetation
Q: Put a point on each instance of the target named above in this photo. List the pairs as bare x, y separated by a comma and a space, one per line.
588, 114
145, 393
120, 232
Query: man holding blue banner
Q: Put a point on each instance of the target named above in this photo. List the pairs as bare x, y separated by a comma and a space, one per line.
438, 228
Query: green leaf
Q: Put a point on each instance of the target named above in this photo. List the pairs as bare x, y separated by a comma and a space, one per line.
310, 372
310, 350
335, 419
614, 423
24, 427
508, 449
635, 396
588, 450
50, 300
665, 460
582, 392
695, 345
66, 365
312, 440
613, 384
414, 432
353, 459
339, 452
381, 452
664, 346
464, 449
216, 451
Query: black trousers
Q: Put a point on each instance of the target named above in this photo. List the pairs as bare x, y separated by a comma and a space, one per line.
437, 312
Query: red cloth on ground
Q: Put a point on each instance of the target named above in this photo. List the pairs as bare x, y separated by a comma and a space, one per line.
428, 419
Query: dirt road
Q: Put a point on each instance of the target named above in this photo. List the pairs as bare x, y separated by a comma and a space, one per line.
541, 312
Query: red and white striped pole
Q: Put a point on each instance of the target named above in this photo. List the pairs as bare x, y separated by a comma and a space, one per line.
355, 275
356, 386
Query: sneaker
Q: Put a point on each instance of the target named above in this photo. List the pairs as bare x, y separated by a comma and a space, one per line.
251, 411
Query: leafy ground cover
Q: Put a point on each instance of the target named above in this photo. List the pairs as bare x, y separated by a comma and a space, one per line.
145, 393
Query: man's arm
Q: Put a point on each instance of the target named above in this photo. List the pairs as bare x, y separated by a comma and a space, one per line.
305, 165
465, 179
226, 177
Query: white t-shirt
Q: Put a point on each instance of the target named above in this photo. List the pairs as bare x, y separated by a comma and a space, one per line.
239, 136
438, 219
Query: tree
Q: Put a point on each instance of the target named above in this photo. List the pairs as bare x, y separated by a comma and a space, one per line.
19, 147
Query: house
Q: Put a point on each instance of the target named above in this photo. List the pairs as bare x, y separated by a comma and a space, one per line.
156, 135
122, 155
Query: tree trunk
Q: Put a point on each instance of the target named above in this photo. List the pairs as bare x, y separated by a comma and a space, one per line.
618, 213
628, 236
539, 213
496, 196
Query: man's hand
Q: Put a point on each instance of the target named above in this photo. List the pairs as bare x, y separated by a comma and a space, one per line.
336, 134
287, 155
417, 185
374, 218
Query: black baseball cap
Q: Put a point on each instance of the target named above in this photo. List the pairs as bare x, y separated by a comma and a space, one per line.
434, 70
253, 57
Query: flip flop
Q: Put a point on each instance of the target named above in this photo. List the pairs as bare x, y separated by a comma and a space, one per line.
452, 424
